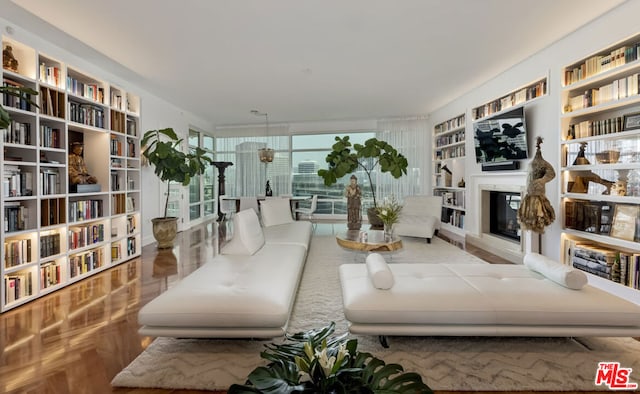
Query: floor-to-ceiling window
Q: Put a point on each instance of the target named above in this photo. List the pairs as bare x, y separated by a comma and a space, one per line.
201, 188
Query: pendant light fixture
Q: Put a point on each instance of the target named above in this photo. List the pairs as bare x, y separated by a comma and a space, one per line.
265, 154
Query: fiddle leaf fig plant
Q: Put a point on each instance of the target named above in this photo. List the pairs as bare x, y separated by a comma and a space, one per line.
317, 362
169, 162
342, 160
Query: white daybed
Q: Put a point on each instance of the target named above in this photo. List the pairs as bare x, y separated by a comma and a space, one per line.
247, 291
480, 299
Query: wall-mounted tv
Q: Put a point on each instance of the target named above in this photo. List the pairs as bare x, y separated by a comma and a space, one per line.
501, 138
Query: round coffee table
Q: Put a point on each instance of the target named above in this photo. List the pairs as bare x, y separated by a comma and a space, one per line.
375, 241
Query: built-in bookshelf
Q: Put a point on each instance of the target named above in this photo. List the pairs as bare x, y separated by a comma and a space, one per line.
517, 97
448, 177
56, 233
600, 165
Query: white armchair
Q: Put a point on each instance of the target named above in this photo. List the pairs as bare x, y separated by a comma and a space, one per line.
420, 217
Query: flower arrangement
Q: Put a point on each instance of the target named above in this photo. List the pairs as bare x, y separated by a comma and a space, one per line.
389, 211
315, 362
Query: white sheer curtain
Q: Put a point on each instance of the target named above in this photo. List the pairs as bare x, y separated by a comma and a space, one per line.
248, 176
410, 137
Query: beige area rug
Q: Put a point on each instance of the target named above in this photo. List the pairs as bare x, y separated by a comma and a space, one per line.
446, 363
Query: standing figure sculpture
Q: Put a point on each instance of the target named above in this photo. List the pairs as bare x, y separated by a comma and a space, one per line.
78, 173
354, 196
536, 212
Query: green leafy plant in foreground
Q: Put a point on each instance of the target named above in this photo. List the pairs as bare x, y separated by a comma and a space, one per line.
23, 92
317, 362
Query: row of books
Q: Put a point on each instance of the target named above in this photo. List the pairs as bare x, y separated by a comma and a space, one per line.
115, 147
450, 124
453, 217
510, 100
90, 91
49, 245
15, 217
52, 103
601, 63
16, 183
117, 121
52, 211
50, 274
89, 115
82, 263
450, 153
617, 266
85, 210
131, 246
590, 128
600, 218
50, 181
450, 139
17, 252
132, 128
10, 101
17, 286
50, 75
17, 133
86, 235
616, 90
116, 100
50, 137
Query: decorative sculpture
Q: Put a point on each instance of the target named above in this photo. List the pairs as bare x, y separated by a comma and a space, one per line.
536, 212
78, 173
354, 196
9, 62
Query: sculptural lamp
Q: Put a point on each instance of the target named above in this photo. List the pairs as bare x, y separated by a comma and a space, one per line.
265, 154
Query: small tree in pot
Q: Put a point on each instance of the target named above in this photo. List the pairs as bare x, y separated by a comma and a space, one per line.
170, 165
342, 161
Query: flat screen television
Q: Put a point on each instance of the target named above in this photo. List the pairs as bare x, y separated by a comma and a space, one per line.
501, 138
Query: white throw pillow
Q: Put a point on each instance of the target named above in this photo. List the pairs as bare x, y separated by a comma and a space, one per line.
553, 270
379, 272
248, 237
275, 211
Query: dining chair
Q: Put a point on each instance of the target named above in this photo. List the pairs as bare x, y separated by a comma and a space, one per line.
308, 212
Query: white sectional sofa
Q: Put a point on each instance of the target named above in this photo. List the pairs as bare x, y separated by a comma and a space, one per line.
420, 217
541, 298
247, 291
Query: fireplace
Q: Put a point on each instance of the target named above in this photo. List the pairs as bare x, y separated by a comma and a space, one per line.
503, 214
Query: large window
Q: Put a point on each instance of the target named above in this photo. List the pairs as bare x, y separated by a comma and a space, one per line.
201, 192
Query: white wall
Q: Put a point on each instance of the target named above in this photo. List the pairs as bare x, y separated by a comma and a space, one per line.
155, 112
543, 114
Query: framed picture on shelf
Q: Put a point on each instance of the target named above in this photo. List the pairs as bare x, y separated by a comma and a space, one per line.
624, 222
632, 121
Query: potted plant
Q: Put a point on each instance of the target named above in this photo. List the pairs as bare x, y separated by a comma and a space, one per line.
315, 362
343, 160
170, 165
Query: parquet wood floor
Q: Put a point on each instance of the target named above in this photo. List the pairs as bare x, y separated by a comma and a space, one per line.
77, 339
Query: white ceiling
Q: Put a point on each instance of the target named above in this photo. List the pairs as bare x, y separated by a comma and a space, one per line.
304, 60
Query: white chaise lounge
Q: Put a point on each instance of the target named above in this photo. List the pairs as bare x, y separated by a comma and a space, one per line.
480, 299
420, 217
247, 291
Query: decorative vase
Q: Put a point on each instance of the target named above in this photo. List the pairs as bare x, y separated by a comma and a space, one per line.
165, 231
388, 231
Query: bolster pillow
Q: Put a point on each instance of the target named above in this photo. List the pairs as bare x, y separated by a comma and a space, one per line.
379, 272
552, 270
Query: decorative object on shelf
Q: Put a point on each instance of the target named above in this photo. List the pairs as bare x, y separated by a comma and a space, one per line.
354, 203
265, 154
580, 183
625, 220
314, 361
631, 121
267, 190
536, 212
448, 176
9, 61
171, 165
342, 161
221, 166
608, 156
78, 172
389, 213
461, 183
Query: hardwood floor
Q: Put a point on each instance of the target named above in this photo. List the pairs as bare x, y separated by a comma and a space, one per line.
77, 339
